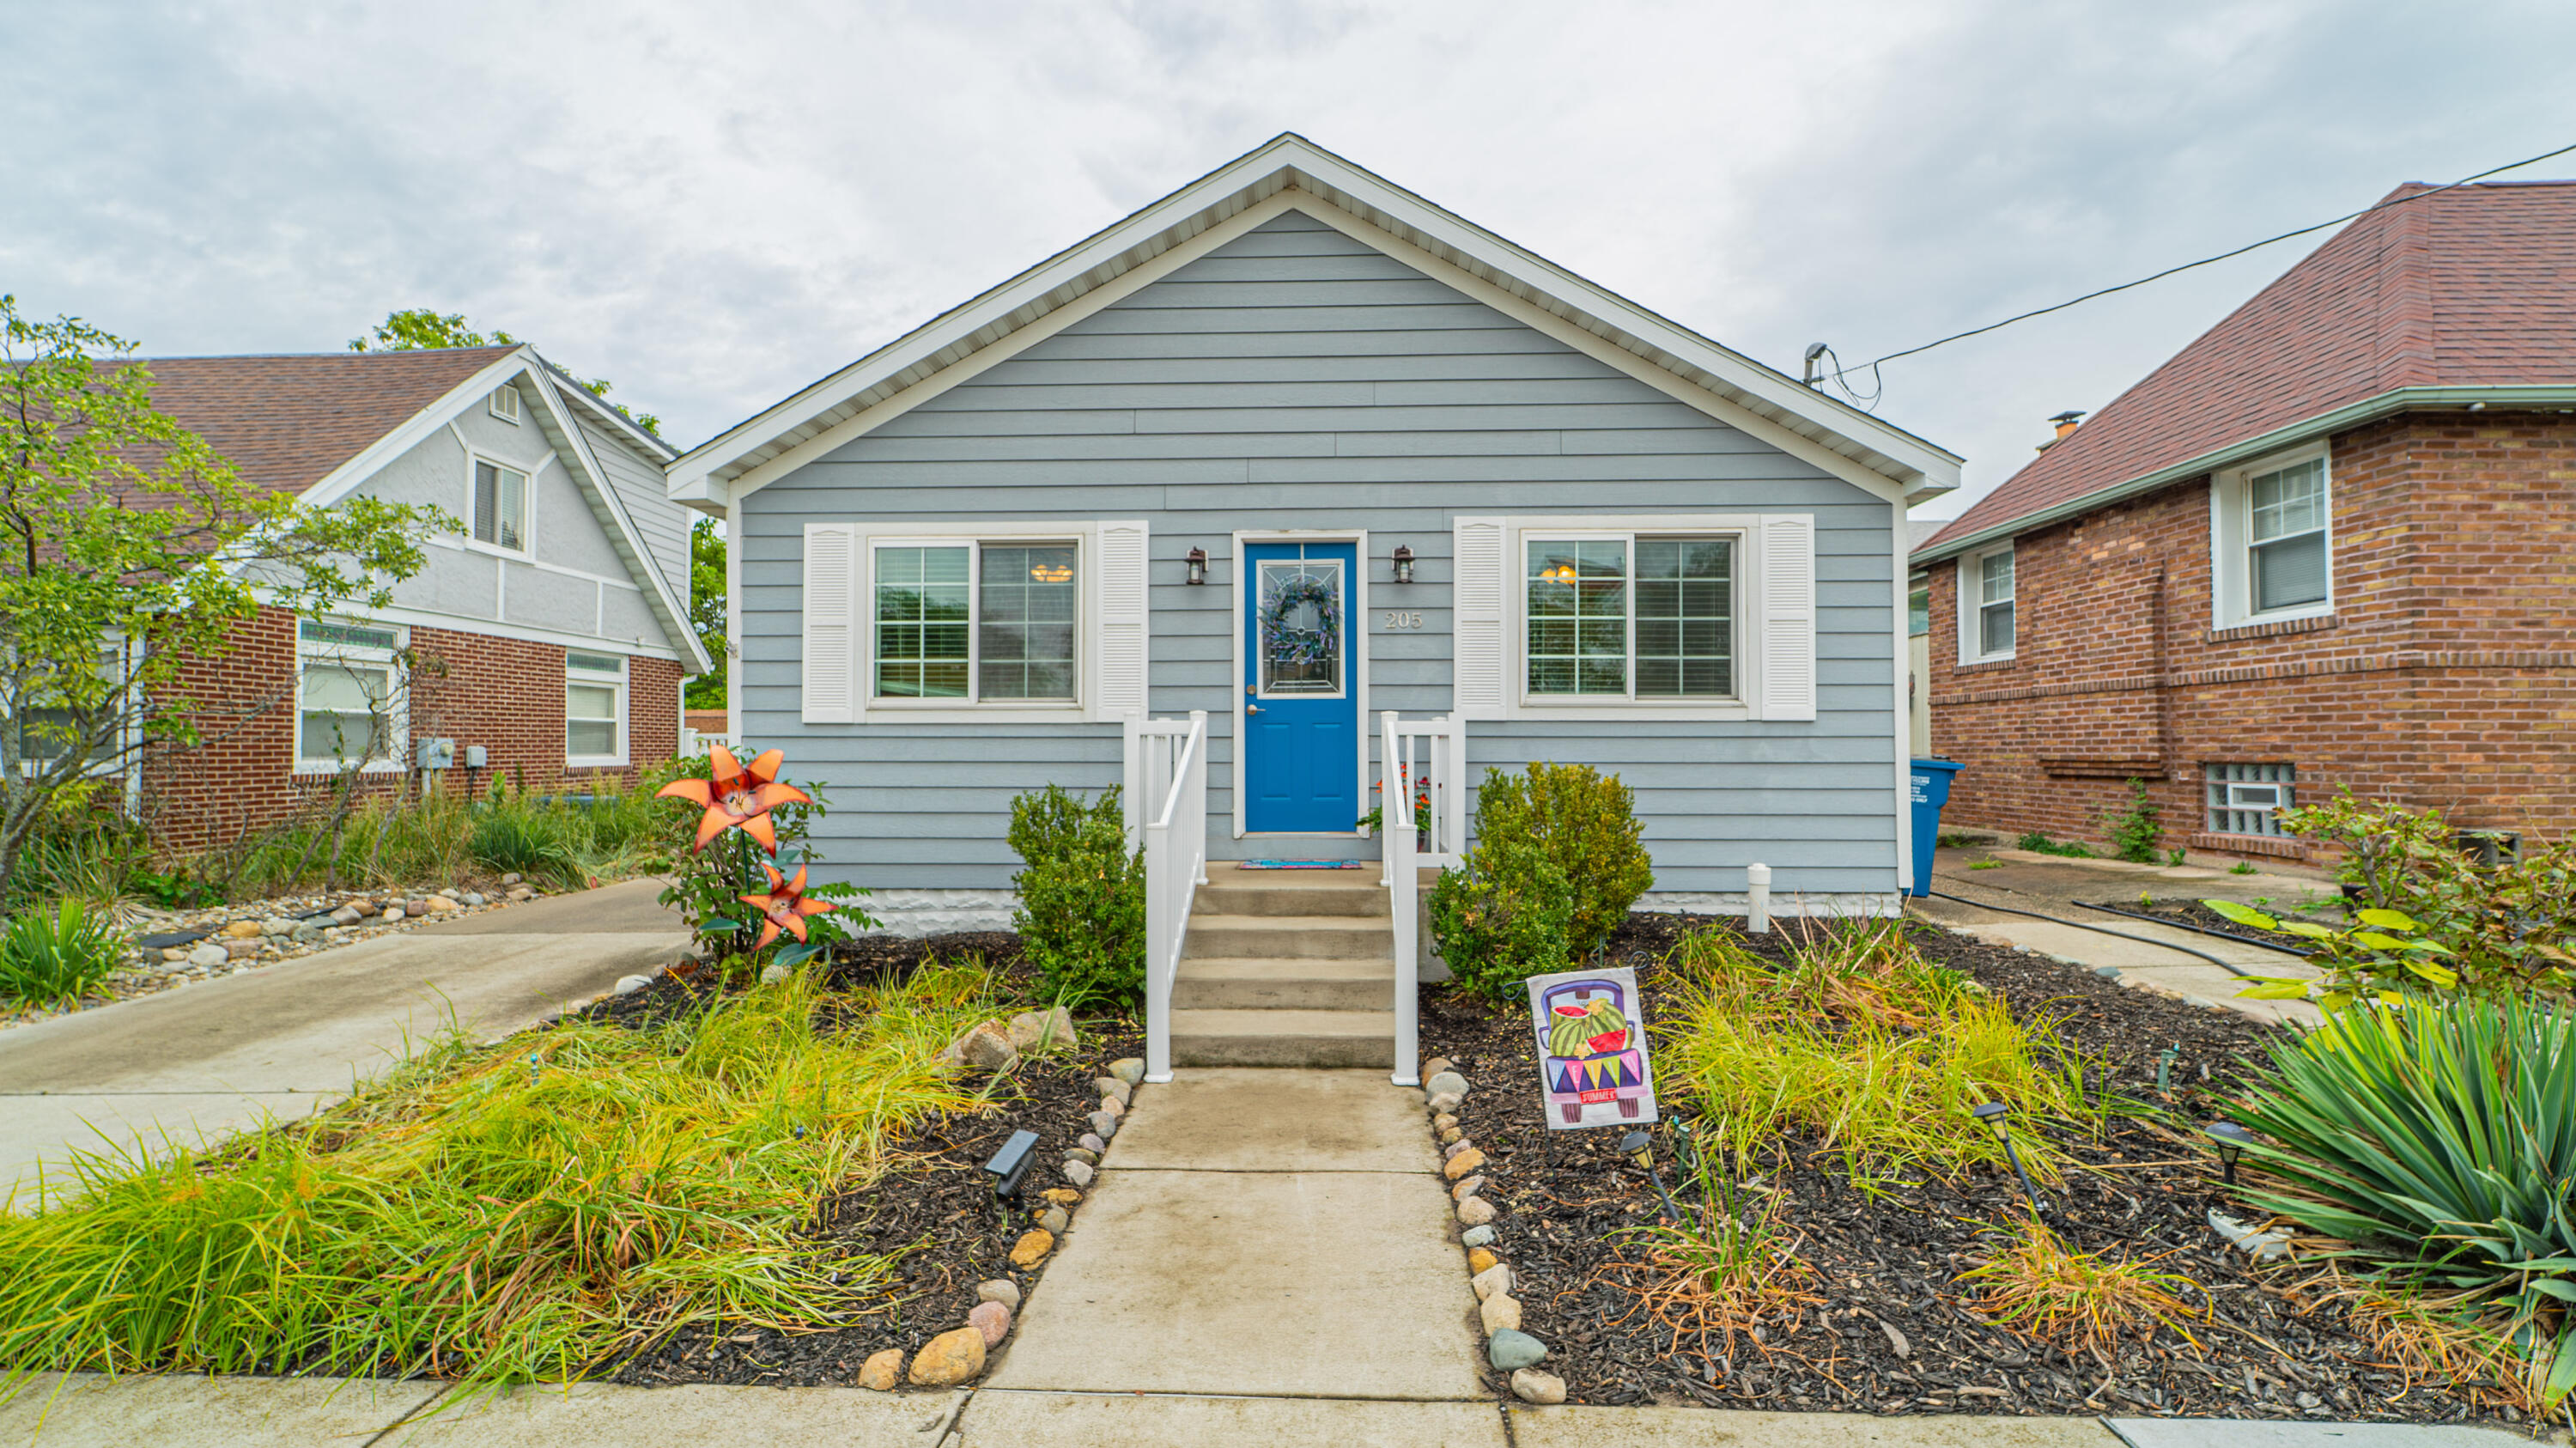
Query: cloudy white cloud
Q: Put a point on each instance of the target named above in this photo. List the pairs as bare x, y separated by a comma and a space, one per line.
715, 205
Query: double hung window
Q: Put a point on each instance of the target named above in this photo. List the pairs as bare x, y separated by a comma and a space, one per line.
976, 622
594, 709
2287, 535
348, 705
500, 506
1622, 618
1989, 627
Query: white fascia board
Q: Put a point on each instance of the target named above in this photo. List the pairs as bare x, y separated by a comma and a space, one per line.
344, 479
587, 475
2341, 419
1293, 162
658, 453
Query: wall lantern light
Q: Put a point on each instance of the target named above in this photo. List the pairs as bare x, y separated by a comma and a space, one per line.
2232, 1140
1403, 564
1198, 565
1992, 1114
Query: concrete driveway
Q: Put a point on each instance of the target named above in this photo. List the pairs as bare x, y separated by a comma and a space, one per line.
198, 1062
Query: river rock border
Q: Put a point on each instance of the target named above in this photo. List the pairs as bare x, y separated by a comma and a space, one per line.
958, 1357
1498, 1312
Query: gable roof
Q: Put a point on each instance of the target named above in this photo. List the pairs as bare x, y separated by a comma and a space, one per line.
2466, 294
288, 422
1047, 296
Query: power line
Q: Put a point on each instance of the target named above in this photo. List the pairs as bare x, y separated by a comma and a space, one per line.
1880, 385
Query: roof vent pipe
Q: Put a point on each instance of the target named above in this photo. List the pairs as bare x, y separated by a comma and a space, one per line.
2066, 422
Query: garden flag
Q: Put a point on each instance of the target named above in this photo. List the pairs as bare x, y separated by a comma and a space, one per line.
1591, 1030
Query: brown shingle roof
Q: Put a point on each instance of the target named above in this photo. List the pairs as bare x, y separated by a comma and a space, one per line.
2472, 286
287, 421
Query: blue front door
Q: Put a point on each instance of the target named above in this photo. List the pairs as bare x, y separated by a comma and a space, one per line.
1301, 709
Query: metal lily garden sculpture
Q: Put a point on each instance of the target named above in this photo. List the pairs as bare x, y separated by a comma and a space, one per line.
749, 825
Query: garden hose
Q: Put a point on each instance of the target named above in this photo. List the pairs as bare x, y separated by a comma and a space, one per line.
2236, 971
2197, 929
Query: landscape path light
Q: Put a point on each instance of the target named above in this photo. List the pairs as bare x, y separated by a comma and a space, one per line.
1008, 1167
1992, 1114
2231, 1140
1638, 1147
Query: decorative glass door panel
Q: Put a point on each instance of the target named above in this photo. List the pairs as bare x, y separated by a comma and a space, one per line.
1301, 759
1300, 634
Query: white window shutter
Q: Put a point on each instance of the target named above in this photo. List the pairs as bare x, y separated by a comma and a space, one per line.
831, 602
1788, 616
1119, 598
1476, 603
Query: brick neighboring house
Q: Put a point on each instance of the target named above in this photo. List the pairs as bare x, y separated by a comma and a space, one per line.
2330, 544
552, 633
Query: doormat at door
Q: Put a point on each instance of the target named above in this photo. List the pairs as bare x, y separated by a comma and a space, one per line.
1302, 865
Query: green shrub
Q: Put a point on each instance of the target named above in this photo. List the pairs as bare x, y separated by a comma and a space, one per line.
1583, 821
2134, 833
55, 955
1506, 917
2440, 1137
2040, 844
514, 837
1082, 895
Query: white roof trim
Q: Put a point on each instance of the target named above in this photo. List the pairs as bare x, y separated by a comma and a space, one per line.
342, 480
705, 474
673, 616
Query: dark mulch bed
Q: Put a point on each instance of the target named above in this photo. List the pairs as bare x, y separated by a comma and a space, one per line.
2193, 913
2278, 1348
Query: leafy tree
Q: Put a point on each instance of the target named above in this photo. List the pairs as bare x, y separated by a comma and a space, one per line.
415, 328
129, 547
707, 611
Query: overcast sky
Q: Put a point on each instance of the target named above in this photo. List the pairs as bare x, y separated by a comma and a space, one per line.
713, 210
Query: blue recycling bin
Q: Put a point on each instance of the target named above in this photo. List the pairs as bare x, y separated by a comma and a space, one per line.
1930, 791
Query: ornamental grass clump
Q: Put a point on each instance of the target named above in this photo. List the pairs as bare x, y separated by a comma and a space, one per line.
2039, 1286
1860, 1043
537, 1210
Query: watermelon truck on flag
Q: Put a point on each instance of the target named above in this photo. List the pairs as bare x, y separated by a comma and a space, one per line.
1592, 1048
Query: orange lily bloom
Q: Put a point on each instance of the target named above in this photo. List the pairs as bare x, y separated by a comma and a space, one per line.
737, 796
785, 906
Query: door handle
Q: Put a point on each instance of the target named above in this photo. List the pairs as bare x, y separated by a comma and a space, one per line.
1251, 708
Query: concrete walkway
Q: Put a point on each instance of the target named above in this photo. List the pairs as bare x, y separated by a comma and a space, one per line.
202, 1061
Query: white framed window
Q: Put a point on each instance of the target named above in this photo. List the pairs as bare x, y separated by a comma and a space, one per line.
45, 731
594, 710
1629, 617
967, 621
349, 705
2247, 799
505, 404
500, 506
2272, 540
1989, 625
1918, 606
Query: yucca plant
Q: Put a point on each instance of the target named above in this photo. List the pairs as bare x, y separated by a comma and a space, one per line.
55, 955
2439, 1138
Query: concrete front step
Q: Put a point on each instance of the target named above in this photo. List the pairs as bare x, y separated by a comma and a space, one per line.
1306, 937
1284, 1038
1240, 897
1249, 983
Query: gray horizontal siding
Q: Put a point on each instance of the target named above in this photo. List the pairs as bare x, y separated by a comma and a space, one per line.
1295, 379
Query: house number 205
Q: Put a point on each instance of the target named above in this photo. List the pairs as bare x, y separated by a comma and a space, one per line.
1399, 619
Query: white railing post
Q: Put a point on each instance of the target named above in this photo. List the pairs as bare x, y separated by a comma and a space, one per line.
1167, 775
1453, 808
1402, 878
1131, 795
1194, 804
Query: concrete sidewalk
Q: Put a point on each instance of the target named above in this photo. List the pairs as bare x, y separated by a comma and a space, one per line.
196, 1063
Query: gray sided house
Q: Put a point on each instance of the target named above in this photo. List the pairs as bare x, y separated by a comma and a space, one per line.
1296, 448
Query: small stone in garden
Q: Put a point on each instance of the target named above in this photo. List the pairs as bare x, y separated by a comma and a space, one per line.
1025, 1029
1454, 1149
243, 930
1032, 1248
1083, 1154
1444, 1122
1111, 1107
510, 879
1450, 1135
1468, 1188
245, 950
175, 953
1532, 1386
1128, 1069
1463, 1163
1077, 1171
1492, 1280
1062, 1196
348, 915
1477, 1237
1475, 1211
1063, 1037
1092, 1143
1103, 1125
306, 932
1434, 1067
208, 956
991, 1319
522, 892
1443, 1102
1447, 1083
1500, 1313
629, 984
882, 1370
774, 972
1115, 1089
987, 1045
1481, 1261
1054, 1220
393, 914
438, 904
954, 1357
471, 899
277, 925
1508, 1349
447, 890
1002, 1290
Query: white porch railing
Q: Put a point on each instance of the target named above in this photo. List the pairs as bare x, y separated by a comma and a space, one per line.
1166, 806
1416, 756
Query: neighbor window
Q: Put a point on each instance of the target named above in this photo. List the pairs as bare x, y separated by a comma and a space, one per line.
2247, 799
500, 506
1918, 607
1987, 626
976, 622
594, 709
1639, 616
45, 732
2287, 533
348, 706
505, 404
